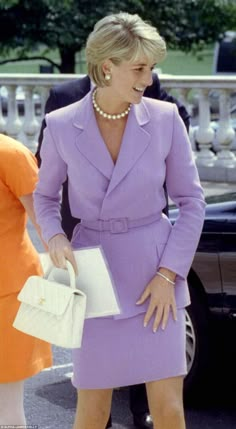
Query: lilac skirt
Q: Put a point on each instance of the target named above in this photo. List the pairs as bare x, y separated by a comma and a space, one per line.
122, 352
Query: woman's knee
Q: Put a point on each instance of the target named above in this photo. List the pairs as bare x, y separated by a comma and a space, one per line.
165, 397
93, 409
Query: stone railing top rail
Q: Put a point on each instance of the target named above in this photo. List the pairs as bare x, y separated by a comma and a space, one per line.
169, 81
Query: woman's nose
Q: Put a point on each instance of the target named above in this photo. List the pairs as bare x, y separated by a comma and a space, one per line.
148, 78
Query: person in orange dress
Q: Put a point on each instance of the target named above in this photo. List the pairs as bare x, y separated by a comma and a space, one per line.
21, 355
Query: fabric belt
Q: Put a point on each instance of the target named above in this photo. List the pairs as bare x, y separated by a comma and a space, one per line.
119, 225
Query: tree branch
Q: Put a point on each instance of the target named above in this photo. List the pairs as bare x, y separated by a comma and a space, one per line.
13, 60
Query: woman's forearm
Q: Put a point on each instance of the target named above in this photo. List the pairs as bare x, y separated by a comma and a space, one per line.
27, 202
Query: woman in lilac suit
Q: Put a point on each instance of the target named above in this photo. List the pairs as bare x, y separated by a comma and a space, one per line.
117, 148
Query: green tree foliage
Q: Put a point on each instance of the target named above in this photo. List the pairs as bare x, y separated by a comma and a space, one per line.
64, 25
191, 24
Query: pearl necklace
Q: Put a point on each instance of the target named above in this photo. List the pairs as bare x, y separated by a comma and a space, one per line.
107, 115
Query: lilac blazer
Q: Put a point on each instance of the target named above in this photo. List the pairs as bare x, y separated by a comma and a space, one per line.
155, 148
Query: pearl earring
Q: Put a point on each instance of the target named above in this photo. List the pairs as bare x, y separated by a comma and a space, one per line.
107, 77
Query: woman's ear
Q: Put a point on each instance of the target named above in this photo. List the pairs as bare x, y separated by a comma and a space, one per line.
107, 67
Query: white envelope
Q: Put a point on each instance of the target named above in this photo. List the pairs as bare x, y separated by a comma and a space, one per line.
94, 279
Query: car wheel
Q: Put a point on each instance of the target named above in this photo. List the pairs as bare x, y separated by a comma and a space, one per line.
190, 341
197, 343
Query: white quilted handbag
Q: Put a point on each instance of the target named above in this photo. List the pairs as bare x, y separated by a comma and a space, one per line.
51, 311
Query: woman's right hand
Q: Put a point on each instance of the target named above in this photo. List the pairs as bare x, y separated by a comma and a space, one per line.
60, 249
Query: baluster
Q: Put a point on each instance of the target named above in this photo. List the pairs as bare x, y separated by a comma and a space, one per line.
44, 97
225, 133
13, 124
191, 134
183, 99
204, 134
31, 125
233, 116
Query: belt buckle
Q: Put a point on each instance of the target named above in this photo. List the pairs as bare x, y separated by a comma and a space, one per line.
118, 226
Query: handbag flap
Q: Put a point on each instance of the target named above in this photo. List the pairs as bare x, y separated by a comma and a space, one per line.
47, 295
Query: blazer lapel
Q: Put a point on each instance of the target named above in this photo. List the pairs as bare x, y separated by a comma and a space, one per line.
134, 143
89, 140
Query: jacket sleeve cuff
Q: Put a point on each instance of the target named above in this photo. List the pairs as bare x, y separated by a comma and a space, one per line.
48, 234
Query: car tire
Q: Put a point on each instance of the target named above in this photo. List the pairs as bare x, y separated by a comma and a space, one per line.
197, 344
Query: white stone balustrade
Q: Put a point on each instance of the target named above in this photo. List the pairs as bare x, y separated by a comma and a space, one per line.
213, 118
204, 134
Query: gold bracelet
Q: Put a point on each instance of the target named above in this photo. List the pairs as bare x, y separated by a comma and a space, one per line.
164, 277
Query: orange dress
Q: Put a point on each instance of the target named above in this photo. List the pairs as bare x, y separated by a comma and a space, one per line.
21, 355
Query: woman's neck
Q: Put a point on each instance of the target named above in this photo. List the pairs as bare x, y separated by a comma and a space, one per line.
109, 103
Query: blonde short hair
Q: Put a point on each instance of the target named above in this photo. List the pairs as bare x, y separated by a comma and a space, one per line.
121, 37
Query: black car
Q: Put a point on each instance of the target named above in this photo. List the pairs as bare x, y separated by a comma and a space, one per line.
212, 283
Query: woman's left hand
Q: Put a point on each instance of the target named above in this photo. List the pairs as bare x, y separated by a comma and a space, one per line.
162, 300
